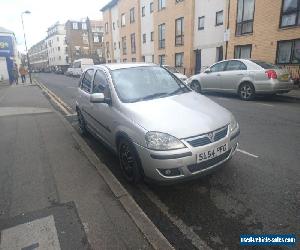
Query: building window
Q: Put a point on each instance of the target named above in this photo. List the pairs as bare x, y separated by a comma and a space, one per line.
58, 48
288, 52
144, 38
162, 59
245, 17
75, 26
152, 36
85, 39
161, 4
96, 39
151, 7
179, 60
143, 11
106, 27
201, 22
114, 26
83, 26
132, 15
133, 59
123, 20
290, 13
179, 35
219, 53
115, 45
59, 58
132, 41
124, 60
178, 1
57, 38
124, 45
219, 18
242, 51
107, 49
161, 36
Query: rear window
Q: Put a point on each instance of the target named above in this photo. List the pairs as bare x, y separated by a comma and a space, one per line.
266, 65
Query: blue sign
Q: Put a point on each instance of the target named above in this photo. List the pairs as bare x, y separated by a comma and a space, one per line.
6, 46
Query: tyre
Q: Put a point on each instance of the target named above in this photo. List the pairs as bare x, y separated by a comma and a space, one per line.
246, 91
195, 85
129, 161
81, 123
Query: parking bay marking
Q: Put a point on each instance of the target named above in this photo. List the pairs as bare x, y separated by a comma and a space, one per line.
187, 231
246, 153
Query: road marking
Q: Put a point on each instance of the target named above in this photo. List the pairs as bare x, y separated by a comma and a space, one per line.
265, 104
12, 111
187, 231
62, 105
246, 153
40, 233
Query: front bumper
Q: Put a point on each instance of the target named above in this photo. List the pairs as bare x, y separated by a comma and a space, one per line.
182, 162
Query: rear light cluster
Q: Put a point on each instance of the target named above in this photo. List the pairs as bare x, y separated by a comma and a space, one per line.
271, 74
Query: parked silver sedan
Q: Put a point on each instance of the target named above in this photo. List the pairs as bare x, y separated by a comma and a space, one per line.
243, 77
159, 128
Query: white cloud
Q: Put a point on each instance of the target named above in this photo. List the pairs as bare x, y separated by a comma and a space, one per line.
43, 15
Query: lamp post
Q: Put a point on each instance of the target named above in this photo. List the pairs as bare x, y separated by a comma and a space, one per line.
28, 62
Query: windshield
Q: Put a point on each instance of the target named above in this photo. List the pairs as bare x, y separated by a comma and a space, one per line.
145, 83
171, 69
266, 65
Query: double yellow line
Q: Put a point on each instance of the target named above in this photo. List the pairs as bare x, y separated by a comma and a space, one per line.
61, 104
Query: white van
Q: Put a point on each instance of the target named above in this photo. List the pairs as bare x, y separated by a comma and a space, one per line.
80, 65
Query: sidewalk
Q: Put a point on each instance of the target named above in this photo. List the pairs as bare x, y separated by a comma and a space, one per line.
44, 168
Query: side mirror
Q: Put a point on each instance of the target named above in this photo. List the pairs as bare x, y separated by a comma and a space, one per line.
207, 71
99, 98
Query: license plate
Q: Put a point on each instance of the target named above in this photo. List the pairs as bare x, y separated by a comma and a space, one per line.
212, 153
284, 77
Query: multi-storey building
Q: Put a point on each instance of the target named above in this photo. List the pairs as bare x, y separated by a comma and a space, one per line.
56, 45
84, 39
267, 30
209, 29
38, 55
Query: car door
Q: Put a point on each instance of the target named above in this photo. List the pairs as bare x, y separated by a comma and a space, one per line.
102, 112
234, 72
84, 95
210, 78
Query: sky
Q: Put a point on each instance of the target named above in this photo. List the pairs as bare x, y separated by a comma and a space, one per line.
43, 15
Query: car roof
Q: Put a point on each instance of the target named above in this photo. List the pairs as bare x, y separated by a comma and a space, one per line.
115, 66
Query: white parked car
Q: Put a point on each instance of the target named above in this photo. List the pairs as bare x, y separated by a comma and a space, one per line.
173, 70
79, 66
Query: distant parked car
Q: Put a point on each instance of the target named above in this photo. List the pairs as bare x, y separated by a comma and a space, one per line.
243, 77
69, 71
173, 70
159, 128
80, 65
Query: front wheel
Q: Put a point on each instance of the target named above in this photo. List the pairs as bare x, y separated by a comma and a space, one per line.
129, 162
246, 91
195, 85
82, 123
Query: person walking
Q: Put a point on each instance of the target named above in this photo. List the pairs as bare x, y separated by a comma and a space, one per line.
16, 74
23, 73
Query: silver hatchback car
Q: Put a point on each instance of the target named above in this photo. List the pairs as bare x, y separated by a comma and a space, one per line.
243, 77
159, 127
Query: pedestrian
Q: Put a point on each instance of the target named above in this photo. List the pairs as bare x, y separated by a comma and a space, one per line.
16, 74
23, 73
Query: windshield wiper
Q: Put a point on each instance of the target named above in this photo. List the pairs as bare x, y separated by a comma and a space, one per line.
149, 97
178, 90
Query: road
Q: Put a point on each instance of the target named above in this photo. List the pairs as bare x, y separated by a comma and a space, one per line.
258, 191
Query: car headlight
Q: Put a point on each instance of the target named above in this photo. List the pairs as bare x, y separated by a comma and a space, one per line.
233, 124
162, 141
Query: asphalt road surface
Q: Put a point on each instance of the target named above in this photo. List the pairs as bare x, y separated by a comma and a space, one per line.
258, 191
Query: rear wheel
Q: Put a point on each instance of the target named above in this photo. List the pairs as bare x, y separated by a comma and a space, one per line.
129, 161
246, 91
195, 85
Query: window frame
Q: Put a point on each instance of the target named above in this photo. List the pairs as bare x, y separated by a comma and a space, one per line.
92, 79
161, 42
181, 36
124, 48
75, 24
160, 5
143, 11
160, 57
123, 18
199, 18
144, 38
151, 5
243, 22
152, 36
131, 15
242, 64
182, 59
133, 48
242, 46
218, 12
106, 27
293, 41
297, 11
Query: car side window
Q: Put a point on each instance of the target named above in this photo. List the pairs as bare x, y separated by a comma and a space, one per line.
100, 83
235, 65
86, 81
218, 67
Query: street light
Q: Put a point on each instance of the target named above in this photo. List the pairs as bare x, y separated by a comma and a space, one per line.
29, 70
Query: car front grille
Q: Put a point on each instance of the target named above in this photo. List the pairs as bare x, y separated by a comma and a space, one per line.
206, 164
208, 138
